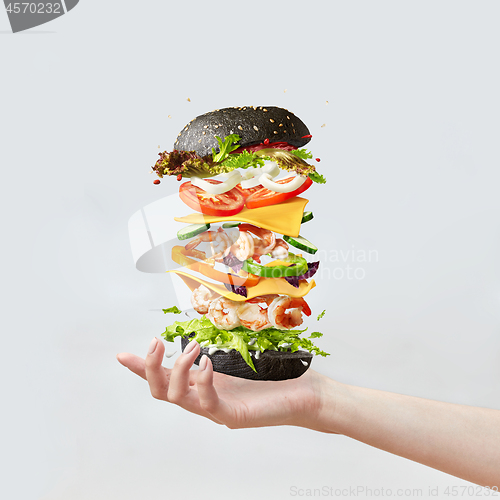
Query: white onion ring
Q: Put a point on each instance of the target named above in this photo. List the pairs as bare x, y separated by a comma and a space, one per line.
250, 183
267, 182
252, 179
250, 173
271, 168
221, 188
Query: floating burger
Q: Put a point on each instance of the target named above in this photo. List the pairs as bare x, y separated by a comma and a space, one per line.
241, 253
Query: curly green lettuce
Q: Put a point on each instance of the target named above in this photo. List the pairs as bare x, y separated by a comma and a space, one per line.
190, 164
239, 338
173, 309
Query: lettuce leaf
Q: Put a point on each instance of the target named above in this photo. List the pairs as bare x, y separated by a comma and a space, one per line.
185, 163
293, 161
318, 178
173, 309
238, 338
190, 164
302, 153
245, 159
226, 146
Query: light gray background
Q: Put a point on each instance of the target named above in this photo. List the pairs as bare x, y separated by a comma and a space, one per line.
410, 149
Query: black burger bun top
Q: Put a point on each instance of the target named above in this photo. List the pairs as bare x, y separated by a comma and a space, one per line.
253, 124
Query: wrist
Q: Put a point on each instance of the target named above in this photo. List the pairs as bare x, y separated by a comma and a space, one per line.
328, 404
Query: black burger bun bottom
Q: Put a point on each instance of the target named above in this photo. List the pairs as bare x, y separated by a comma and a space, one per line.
253, 124
271, 365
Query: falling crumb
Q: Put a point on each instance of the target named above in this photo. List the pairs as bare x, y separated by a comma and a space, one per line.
151, 171
323, 126
170, 116
158, 147
188, 99
285, 91
326, 102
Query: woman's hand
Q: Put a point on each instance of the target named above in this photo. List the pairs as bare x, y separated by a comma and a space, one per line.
461, 440
227, 400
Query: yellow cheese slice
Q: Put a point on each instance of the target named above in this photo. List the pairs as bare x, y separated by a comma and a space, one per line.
284, 218
264, 287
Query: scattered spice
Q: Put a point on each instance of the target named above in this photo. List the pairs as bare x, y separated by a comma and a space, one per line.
188, 99
323, 126
156, 181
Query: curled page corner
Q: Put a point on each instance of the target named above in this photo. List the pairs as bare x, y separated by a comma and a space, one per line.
152, 234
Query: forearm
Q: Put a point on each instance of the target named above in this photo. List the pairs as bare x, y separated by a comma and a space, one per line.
460, 440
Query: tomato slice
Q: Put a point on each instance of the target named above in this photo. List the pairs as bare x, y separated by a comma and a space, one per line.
229, 203
264, 197
246, 192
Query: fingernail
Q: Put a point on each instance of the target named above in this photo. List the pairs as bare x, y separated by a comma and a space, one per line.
203, 362
152, 346
190, 346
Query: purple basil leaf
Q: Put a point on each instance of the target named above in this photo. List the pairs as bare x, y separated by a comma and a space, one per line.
312, 267
240, 290
231, 261
293, 280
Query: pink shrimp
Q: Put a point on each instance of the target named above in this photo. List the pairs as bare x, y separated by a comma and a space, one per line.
221, 242
286, 312
253, 314
222, 313
201, 299
267, 239
280, 251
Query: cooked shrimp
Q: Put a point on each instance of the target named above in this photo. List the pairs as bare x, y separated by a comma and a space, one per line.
201, 298
243, 247
267, 299
280, 251
223, 313
253, 314
266, 241
286, 312
220, 241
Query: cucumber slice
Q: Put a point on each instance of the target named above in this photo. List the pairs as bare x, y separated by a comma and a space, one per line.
228, 225
301, 243
189, 231
307, 217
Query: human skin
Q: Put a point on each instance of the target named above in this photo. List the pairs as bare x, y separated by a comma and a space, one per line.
463, 441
